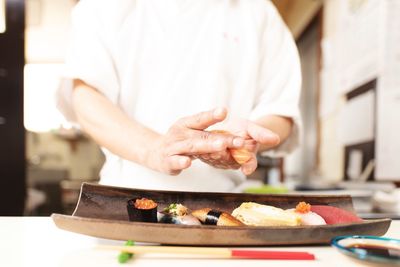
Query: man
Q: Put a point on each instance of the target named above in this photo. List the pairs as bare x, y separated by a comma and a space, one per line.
141, 68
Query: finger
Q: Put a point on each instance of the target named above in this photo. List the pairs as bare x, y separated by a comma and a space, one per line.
221, 165
262, 135
223, 156
204, 120
216, 156
218, 159
204, 156
251, 145
233, 141
230, 162
241, 134
250, 166
202, 142
177, 163
196, 147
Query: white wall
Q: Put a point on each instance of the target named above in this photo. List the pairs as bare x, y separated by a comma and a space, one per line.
47, 35
357, 36
331, 152
47, 31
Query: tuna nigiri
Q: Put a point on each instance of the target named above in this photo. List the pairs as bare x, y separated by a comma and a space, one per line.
334, 215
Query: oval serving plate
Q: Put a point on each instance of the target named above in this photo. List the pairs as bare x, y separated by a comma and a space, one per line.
101, 212
369, 248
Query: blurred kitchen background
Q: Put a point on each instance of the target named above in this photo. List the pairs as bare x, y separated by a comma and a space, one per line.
350, 105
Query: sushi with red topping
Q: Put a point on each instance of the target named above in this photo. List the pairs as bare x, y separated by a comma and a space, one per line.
142, 210
308, 217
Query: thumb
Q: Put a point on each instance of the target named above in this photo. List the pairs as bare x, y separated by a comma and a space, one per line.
205, 119
262, 135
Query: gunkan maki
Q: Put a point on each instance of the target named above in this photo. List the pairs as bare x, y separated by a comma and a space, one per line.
142, 210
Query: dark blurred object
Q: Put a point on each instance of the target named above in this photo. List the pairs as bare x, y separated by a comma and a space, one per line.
53, 199
48, 182
273, 169
313, 187
367, 148
12, 132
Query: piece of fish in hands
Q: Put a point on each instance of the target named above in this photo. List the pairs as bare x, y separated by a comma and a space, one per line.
240, 155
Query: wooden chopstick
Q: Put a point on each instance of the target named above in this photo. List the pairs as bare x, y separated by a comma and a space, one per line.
220, 252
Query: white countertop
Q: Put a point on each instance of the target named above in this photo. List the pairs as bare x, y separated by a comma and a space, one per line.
36, 241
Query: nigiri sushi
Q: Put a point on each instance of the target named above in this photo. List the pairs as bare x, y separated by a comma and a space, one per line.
177, 214
255, 214
308, 217
334, 215
216, 217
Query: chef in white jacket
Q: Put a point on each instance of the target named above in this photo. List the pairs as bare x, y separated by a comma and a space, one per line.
152, 77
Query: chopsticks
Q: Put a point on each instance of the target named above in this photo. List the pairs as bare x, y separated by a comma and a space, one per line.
219, 252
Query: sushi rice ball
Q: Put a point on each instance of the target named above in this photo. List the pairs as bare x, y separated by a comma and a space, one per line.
308, 217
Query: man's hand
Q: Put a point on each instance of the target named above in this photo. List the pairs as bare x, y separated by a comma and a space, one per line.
186, 140
254, 136
110, 127
228, 159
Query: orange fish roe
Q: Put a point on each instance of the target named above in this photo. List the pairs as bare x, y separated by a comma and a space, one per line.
145, 204
303, 207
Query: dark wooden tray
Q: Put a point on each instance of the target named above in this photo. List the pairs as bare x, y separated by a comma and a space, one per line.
101, 212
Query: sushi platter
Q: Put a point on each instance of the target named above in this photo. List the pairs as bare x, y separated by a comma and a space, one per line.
214, 219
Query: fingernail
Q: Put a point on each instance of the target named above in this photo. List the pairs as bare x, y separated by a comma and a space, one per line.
218, 144
238, 142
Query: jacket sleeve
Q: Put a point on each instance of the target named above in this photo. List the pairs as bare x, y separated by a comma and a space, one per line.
88, 58
279, 82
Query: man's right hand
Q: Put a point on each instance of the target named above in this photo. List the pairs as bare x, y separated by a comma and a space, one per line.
186, 139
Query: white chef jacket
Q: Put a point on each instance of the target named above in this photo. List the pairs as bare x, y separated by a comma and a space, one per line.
160, 60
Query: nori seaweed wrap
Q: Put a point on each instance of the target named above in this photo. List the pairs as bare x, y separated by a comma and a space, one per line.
142, 210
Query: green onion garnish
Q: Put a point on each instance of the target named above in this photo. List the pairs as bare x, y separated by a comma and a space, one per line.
123, 257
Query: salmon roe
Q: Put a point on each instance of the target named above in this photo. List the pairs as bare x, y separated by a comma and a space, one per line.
145, 204
303, 207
